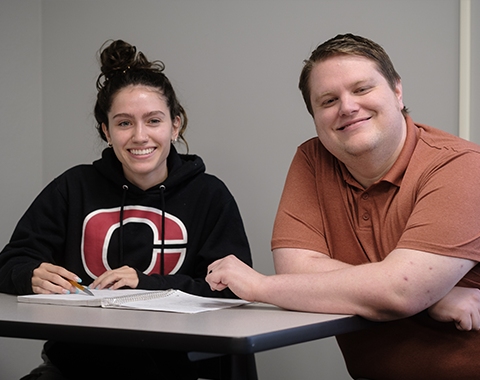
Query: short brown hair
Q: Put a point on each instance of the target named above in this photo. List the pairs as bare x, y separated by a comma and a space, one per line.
352, 45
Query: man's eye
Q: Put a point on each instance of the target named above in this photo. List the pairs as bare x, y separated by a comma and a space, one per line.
362, 89
328, 102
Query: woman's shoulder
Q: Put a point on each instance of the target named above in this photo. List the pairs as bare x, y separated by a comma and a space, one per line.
78, 173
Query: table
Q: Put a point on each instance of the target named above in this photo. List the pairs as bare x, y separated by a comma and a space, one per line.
239, 332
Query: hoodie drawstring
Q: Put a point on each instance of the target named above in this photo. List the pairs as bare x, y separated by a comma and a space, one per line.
124, 196
162, 249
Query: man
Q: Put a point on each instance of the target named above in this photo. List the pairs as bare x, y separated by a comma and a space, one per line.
379, 217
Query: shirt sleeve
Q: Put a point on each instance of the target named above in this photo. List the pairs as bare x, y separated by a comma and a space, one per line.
445, 218
38, 235
299, 222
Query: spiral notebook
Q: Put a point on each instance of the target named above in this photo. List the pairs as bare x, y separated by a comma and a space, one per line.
153, 300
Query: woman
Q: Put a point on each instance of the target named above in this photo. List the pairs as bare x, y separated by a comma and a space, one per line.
142, 216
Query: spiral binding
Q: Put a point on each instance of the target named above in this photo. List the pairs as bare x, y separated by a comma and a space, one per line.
112, 301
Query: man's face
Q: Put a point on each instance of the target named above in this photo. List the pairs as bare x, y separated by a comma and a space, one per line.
356, 113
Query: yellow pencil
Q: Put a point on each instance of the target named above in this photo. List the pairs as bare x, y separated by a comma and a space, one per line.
83, 288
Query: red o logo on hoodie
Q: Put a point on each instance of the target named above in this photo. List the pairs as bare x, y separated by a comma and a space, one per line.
99, 226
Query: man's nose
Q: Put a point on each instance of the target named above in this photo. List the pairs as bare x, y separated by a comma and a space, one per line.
348, 105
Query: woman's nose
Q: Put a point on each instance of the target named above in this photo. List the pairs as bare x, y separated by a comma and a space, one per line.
140, 134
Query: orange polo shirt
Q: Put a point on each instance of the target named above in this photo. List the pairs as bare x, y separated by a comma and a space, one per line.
428, 201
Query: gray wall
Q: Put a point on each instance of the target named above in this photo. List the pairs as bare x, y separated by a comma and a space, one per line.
235, 66
20, 142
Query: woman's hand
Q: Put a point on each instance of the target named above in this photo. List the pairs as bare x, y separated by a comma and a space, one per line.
460, 305
234, 274
49, 278
116, 279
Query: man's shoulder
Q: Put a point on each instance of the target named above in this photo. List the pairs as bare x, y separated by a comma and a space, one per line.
313, 147
311, 143
441, 140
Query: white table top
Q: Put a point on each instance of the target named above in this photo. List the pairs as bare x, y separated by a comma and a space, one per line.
240, 330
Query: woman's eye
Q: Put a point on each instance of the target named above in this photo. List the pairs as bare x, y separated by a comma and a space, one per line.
124, 123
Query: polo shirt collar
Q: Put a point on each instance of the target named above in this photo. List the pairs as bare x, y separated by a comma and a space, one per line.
395, 174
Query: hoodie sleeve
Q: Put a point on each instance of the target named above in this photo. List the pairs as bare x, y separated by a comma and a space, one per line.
38, 234
222, 233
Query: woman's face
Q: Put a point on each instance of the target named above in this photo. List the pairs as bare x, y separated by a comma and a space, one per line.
140, 132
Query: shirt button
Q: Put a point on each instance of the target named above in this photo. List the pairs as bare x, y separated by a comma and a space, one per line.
366, 216
365, 196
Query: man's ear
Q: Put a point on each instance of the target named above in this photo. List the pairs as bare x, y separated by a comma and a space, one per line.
399, 93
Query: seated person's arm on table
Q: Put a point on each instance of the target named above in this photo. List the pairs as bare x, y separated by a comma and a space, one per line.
293, 260
461, 305
405, 283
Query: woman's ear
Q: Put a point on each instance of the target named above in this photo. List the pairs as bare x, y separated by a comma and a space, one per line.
177, 122
105, 131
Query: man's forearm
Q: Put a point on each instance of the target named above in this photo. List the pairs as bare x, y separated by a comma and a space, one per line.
404, 284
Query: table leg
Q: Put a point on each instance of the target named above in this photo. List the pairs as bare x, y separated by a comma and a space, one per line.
243, 367
232, 367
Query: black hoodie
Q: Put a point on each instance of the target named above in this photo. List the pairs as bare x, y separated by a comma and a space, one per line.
91, 219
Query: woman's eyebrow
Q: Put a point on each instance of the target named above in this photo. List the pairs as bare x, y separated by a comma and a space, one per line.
148, 114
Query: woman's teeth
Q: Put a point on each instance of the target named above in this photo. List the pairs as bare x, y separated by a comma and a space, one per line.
141, 151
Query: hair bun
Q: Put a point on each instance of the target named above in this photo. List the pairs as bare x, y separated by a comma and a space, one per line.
117, 57
120, 56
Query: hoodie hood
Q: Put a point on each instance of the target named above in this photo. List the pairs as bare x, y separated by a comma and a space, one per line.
181, 167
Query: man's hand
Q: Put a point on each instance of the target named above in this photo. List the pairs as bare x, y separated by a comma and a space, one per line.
116, 279
49, 278
234, 274
460, 305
